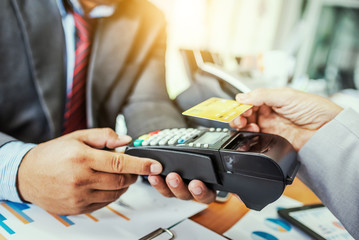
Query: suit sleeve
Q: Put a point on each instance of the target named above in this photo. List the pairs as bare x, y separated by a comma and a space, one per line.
11, 155
330, 167
149, 106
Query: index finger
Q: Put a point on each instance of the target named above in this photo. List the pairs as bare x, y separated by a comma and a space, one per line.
112, 162
265, 96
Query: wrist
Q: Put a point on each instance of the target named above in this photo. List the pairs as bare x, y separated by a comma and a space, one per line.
21, 178
301, 138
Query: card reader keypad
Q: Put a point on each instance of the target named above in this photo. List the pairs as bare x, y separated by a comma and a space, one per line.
174, 136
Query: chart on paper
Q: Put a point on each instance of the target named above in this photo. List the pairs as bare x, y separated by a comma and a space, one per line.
139, 211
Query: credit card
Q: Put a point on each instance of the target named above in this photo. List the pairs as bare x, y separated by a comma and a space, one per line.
217, 109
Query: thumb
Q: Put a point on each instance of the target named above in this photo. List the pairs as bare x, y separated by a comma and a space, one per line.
102, 137
263, 96
106, 161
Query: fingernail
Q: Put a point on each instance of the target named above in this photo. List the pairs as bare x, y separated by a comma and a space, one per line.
173, 183
156, 168
197, 191
125, 138
237, 121
153, 181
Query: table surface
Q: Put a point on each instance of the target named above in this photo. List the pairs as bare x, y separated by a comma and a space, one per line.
219, 217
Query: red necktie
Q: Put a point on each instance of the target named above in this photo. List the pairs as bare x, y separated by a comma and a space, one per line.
75, 109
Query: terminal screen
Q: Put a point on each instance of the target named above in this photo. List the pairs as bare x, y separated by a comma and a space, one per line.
210, 138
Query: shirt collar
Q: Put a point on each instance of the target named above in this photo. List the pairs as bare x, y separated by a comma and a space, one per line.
61, 7
98, 12
102, 11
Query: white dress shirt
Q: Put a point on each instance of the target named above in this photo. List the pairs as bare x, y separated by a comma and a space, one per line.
12, 153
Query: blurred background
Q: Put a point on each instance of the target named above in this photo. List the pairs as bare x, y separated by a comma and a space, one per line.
221, 47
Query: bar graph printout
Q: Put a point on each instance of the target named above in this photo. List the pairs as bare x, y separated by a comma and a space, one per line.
139, 211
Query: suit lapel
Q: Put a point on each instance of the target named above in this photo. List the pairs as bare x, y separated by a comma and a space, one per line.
113, 42
44, 38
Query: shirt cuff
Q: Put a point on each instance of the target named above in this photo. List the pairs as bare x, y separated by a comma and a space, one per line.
11, 155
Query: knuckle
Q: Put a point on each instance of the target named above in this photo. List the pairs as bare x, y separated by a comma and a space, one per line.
121, 182
108, 131
79, 160
125, 181
118, 163
76, 182
77, 203
74, 155
145, 166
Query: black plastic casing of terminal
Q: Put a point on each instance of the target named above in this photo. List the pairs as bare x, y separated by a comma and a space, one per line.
255, 166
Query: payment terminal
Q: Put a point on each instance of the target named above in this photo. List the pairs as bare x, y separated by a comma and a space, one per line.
255, 166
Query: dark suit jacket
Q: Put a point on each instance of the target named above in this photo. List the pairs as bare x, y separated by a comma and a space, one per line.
126, 72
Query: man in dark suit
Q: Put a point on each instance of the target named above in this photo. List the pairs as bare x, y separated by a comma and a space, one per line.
40, 67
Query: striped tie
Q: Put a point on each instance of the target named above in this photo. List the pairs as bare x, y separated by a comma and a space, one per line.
75, 109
